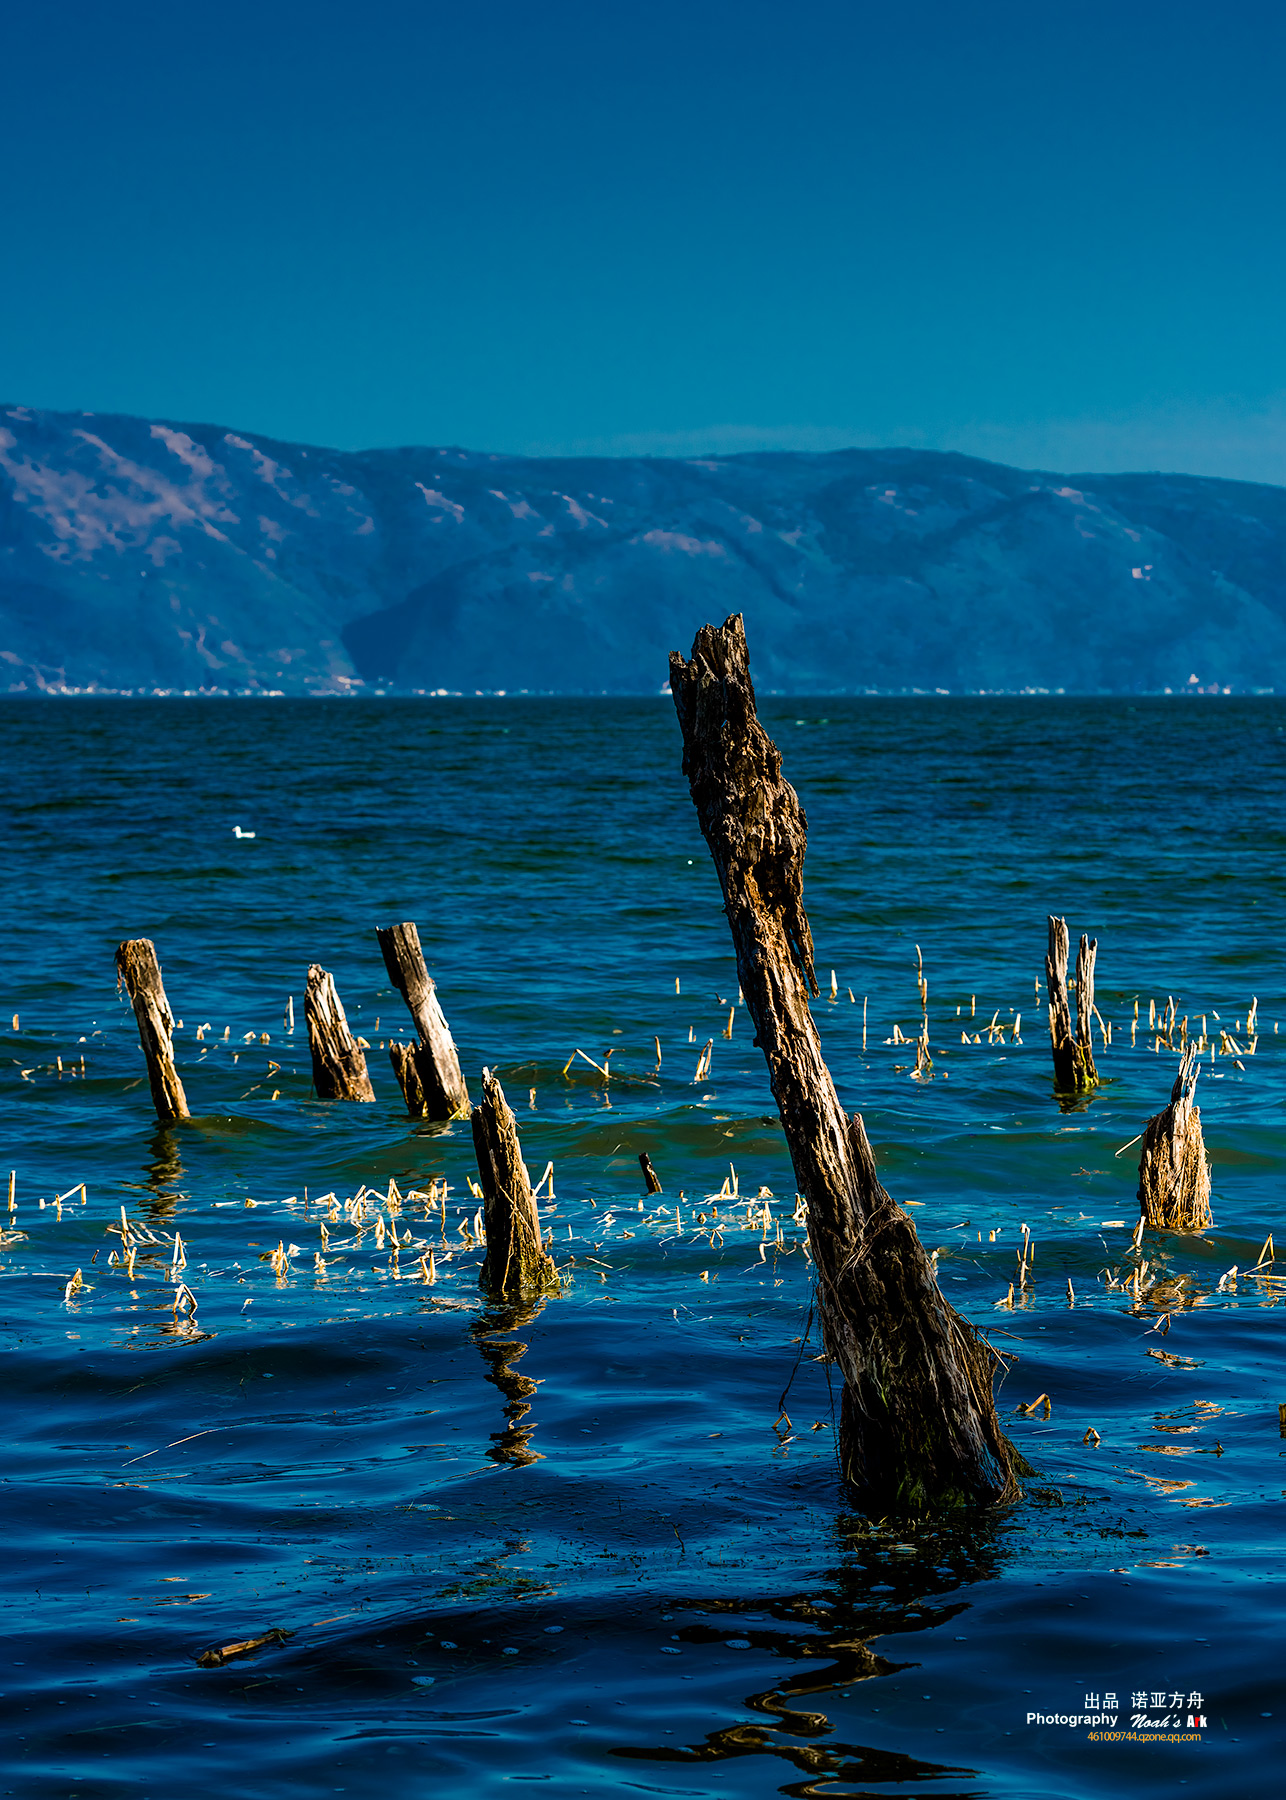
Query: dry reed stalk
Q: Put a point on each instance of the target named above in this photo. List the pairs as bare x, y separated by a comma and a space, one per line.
1174, 1174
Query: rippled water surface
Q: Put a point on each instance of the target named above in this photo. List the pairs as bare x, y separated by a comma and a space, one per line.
587, 1545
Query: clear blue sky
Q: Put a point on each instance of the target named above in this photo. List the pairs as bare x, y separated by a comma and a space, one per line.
1046, 233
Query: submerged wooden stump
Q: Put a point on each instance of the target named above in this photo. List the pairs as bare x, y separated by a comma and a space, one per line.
137, 967
428, 1072
1074, 1070
1174, 1175
918, 1428
516, 1262
339, 1065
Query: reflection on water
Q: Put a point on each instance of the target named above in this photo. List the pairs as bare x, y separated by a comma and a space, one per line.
499, 1354
341, 1443
883, 1584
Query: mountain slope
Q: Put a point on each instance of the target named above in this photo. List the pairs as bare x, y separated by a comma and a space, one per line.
138, 554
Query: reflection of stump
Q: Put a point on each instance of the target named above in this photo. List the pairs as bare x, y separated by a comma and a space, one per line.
1074, 1070
918, 1431
1174, 1175
500, 1352
428, 1072
138, 968
516, 1262
339, 1067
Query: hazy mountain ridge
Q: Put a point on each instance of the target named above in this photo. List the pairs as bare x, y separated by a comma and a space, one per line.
139, 554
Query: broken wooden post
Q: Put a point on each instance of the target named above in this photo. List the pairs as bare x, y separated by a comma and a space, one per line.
1174, 1175
918, 1427
428, 1072
650, 1175
516, 1262
1074, 1070
137, 967
339, 1067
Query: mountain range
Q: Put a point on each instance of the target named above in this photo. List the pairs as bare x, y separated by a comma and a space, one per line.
142, 555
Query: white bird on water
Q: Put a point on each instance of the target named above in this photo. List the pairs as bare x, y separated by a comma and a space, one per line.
237, 832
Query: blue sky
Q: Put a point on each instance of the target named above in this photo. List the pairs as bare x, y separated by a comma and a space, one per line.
1048, 234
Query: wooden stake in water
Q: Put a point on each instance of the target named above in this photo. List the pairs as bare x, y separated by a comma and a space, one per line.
516, 1262
339, 1066
1174, 1175
649, 1173
1074, 1070
138, 968
918, 1428
428, 1072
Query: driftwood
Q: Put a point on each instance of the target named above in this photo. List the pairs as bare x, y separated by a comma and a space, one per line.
650, 1175
428, 1072
1174, 1175
339, 1067
516, 1262
1074, 1070
918, 1426
137, 967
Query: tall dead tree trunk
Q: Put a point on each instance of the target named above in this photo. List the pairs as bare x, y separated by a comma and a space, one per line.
516, 1262
339, 1066
1074, 1070
918, 1429
428, 1072
137, 967
1174, 1176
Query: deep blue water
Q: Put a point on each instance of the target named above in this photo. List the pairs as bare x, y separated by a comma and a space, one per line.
578, 1547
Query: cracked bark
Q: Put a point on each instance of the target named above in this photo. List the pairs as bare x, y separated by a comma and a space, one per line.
138, 968
1074, 1070
428, 1072
918, 1428
516, 1263
339, 1066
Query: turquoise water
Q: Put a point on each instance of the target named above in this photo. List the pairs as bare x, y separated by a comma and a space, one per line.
581, 1546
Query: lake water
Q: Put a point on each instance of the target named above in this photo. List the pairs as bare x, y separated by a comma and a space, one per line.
580, 1546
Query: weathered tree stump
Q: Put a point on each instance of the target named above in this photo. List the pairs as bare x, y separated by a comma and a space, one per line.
339, 1065
1174, 1175
428, 1072
137, 967
516, 1262
918, 1427
1074, 1070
